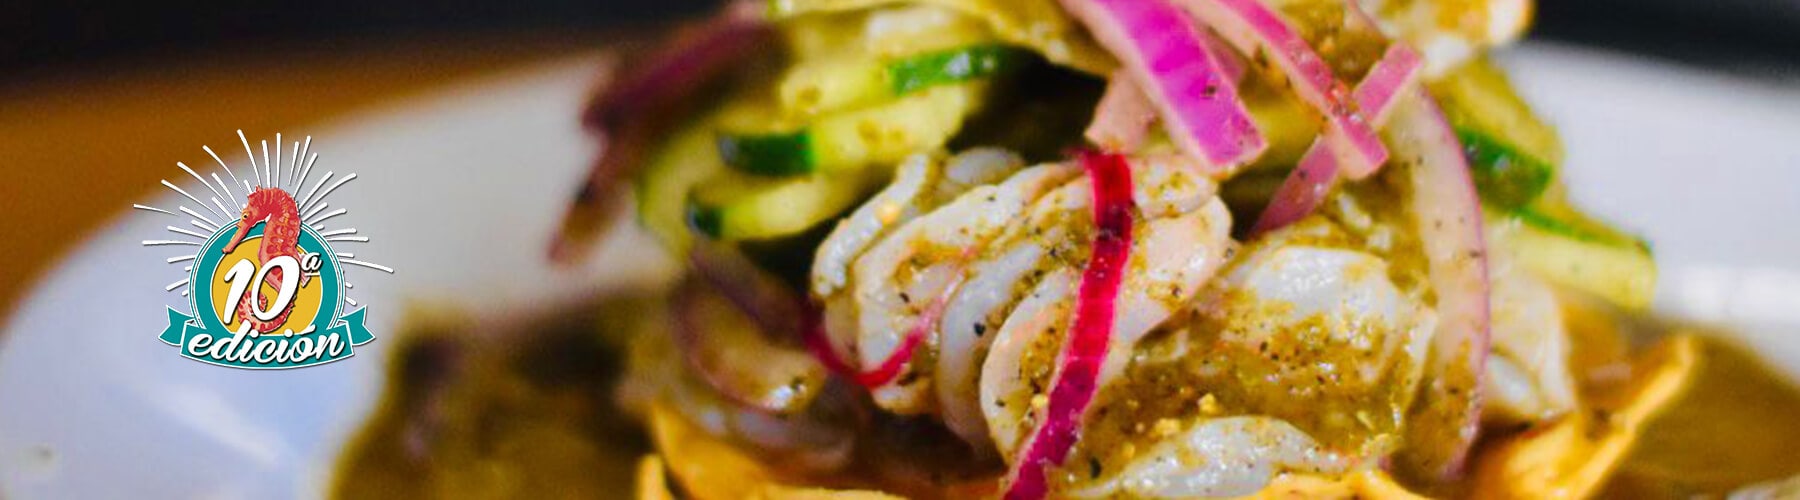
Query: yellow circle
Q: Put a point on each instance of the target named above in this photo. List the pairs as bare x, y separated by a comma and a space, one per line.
306, 298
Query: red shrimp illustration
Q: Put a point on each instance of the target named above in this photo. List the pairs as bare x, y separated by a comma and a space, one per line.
281, 236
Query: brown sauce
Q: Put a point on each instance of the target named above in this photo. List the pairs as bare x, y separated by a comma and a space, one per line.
530, 413
515, 414
1737, 423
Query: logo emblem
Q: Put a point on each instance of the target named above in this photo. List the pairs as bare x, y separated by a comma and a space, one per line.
265, 288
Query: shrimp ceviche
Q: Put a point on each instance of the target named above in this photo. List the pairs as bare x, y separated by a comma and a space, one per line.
1127, 249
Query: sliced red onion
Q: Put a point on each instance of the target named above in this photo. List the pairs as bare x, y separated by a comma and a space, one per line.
1387, 82
1319, 170
633, 109
1170, 59
1252, 28
1090, 333
821, 347
1230, 63
678, 69
1313, 177
775, 307
892, 366
1123, 117
1442, 425
812, 332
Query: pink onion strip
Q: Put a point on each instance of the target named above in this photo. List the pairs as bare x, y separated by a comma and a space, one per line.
812, 333
1319, 170
1230, 63
1169, 57
1123, 118
1251, 27
1447, 214
890, 367
1090, 333
822, 348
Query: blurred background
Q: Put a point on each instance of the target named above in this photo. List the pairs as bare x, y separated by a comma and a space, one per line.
37, 35
110, 92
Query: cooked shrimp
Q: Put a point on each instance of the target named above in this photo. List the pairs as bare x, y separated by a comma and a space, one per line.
1023, 357
1218, 457
920, 184
1528, 377
1303, 333
1313, 330
1181, 241
906, 274
1342, 296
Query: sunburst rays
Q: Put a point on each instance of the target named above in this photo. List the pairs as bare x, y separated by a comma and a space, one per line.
289, 174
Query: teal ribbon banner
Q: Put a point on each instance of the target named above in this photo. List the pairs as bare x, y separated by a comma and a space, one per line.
207, 339
221, 346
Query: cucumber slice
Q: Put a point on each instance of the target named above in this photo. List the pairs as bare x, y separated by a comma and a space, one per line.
1513, 152
1478, 96
1566, 247
824, 84
1505, 177
953, 66
662, 186
850, 81
734, 206
769, 154
849, 141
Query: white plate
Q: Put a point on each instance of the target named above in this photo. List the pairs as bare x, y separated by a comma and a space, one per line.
1705, 166
458, 191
